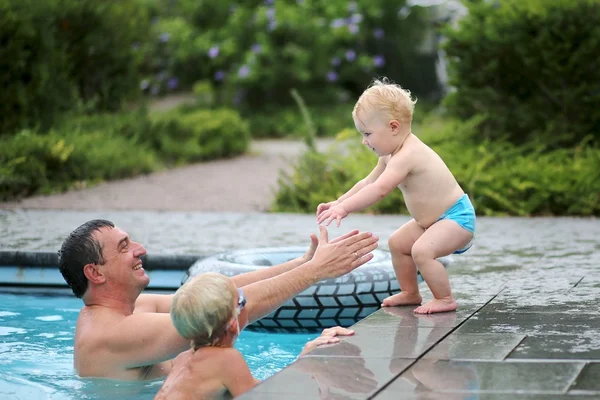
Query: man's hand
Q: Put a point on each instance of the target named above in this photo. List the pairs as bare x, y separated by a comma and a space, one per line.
343, 255
337, 213
314, 243
326, 206
328, 336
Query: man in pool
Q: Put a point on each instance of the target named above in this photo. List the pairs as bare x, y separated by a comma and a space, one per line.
126, 335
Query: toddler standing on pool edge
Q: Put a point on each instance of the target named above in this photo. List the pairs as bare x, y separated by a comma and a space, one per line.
443, 218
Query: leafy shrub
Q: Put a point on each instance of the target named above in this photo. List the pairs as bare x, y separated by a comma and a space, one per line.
184, 136
35, 163
84, 150
531, 67
255, 51
501, 179
57, 55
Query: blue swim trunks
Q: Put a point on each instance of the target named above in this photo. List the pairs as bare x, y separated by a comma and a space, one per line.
463, 213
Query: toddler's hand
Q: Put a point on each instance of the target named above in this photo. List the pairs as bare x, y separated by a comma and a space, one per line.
326, 206
337, 213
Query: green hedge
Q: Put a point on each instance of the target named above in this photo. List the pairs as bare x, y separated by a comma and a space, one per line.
85, 150
531, 67
61, 55
502, 179
256, 51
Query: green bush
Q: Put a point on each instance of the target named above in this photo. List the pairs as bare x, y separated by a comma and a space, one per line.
257, 51
288, 121
531, 67
33, 163
58, 55
502, 179
183, 136
84, 150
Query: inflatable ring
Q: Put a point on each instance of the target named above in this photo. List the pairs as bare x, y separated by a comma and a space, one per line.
342, 301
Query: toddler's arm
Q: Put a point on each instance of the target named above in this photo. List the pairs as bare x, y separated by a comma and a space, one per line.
373, 175
371, 193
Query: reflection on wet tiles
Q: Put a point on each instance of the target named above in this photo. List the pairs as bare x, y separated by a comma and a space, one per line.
466, 376
475, 346
374, 341
583, 346
330, 377
531, 323
589, 379
404, 317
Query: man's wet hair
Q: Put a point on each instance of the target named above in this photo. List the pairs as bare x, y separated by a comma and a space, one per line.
78, 250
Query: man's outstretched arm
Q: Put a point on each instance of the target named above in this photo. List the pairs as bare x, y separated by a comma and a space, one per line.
331, 259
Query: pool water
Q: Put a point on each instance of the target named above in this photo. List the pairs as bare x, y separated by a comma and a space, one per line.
36, 353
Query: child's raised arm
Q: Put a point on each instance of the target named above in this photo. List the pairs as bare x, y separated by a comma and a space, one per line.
391, 176
371, 193
372, 177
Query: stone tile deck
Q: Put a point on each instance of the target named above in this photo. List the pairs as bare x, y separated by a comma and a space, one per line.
542, 344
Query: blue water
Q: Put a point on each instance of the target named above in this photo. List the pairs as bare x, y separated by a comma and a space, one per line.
36, 353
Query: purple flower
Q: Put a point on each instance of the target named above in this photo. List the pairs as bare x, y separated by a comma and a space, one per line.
332, 76
378, 61
353, 29
271, 13
335, 61
350, 55
243, 71
213, 52
256, 48
219, 76
356, 18
172, 83
337, 23
269, 2
378, 33
164, 37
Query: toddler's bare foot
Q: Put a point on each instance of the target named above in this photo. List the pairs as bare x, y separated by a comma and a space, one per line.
437, 306
402, 299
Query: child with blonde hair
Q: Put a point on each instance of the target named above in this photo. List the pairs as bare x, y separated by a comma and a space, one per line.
205, 311
443, 218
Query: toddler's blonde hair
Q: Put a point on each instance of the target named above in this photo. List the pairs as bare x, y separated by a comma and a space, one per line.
388, 98
202, 307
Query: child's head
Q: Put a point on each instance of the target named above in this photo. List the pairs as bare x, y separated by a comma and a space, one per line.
204, 308
386, 101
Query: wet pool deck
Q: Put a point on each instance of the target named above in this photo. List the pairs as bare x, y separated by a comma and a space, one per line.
491, 348
527, 327
527, 331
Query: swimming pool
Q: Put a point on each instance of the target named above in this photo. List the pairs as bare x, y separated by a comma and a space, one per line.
36, 352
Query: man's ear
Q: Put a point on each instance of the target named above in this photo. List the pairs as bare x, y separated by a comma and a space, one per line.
92, 273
